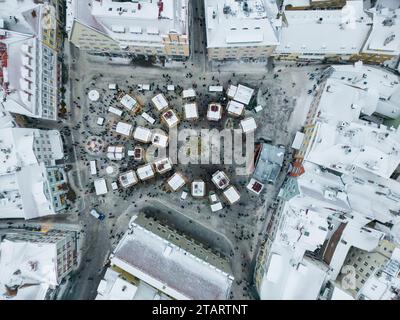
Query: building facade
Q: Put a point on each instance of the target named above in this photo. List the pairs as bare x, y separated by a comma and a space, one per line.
241, 30
142, 28
33, 263
357, 31
31, 38
33, 183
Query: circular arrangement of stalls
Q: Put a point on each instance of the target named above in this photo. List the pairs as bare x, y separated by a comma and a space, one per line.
152, 144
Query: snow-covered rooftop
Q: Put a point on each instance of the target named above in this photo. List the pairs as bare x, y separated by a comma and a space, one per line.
142, 134
170, 118
128, 179
131, 22
123, 128
163, 165
176, 182
232, 23
114, 287
384, 37
306, 30
30, 266
231, 194
160, 102
198, 188
167, 267
23, 177
159, 139
191, 111
342, 141
145, 172
100, 186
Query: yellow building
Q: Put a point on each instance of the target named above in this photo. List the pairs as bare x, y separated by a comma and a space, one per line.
134, 28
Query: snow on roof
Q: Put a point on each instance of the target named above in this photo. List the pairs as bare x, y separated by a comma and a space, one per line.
163, 165
114, 287
128, 179
232, 195
18, 15
306, 30
320, 190
191, 111
360, 88
140, 23
148, 118
213, 197
176, 182
231, 91
384, 38
220, 179
298, 140
340, 133
214, 112
235, 108
94, 95
124, 128
215, 88
100, 121
255, 186
216, 207
243, 94
339, 294
100, 186
36, 263
160, 139
23, 176
275, 267
170, 118
286, 280
128, 102
142, 134
145, 172
353, 235
343, 148
198, 188
22, 96
382, 201
248, 125
160, 102
188, 93
115, 152
232, 23
115, 111
169, 268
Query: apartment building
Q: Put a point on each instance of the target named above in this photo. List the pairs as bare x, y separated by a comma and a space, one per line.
364, 265
32, 183
33, 263
241, 29
153, 261
149, 28
344, 128
356, 31
323, 217
29, 46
